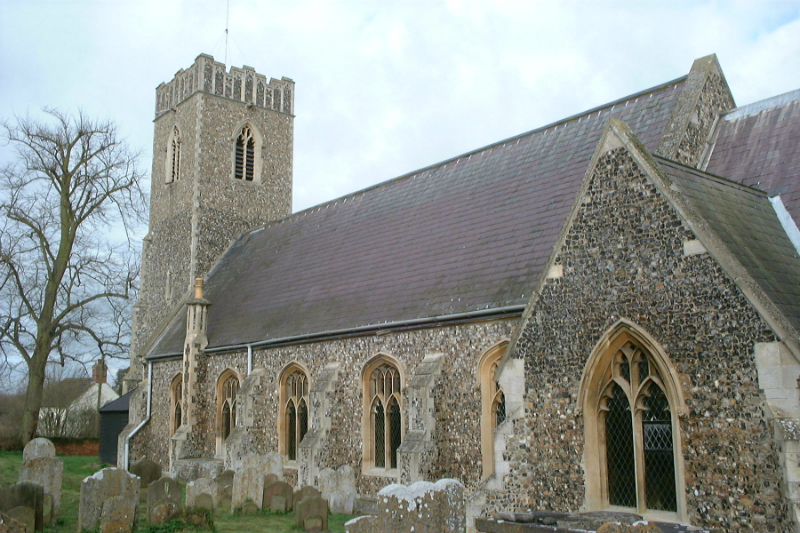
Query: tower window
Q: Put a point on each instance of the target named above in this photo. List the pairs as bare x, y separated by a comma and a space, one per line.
245, 155
173, 170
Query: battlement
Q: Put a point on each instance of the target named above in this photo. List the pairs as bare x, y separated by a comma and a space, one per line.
242, 84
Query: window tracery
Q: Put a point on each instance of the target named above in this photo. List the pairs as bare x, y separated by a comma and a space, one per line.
227, 396
245, 155
294, 416
176, 397
173, 172
493, 403
384, 432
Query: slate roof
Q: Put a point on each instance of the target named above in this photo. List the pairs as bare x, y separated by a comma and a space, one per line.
120, 405
744, 219
759, 145
64, 392
471, 234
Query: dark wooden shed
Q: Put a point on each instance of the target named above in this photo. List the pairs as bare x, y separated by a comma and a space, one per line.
113, 419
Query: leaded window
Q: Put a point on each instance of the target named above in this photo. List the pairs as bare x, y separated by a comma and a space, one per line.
295, 411
245, 155
228, 393
385, 415
176, 394
640, 459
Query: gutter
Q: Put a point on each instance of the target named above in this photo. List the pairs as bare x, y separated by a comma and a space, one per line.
360, 330
147, 418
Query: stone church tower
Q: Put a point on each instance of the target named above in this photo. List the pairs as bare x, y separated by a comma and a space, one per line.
222, 163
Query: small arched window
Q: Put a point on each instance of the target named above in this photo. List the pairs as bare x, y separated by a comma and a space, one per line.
173, 170
227, 394
384, 431
244, 167
176, 401
293, 424
493, 403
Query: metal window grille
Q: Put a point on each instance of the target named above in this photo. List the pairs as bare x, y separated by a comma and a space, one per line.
619, 451
659, 459
379, 422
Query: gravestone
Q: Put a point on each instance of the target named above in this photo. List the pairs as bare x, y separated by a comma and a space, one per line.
118, 514
24, 494
309, 508
339, 488
224, 483
306, 492
278, 505
163, 500
196, 488
10, 525
278, 488
147, 470
40, 466
248, 508
102, 486
342, 502
328, 482
204, 501
248, 485
38, 448
163, 512
270, 478
275, 464
25, 516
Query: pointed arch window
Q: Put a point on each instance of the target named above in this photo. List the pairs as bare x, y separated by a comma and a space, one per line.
226, 400
294, 411
493, 403
245, 155
632, 446
176, 401
173, 170
384, 420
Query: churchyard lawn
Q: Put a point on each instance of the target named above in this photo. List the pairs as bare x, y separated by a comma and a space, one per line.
77, 467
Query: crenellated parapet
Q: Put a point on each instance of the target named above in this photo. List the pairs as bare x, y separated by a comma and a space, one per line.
242, 84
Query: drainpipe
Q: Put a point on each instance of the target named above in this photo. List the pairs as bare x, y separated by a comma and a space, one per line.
147, 418
249, 359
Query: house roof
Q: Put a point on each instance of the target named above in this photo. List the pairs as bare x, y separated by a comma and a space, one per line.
745, 221
759, 145
469, 235
63, 393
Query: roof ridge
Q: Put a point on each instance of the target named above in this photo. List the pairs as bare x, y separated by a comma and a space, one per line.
762, 105
443, 163
713, 177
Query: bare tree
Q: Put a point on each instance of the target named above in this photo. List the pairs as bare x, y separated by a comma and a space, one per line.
66, 275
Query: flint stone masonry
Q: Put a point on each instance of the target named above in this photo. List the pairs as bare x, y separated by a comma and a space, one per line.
624, 248
24, 494
47, 472
422, 507
102, 486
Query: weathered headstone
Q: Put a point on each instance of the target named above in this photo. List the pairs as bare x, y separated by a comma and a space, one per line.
306, 492
104, 485
278, 488
147, 470
313, 524
200, 486
164, 489
339, 488
270, 478
24, 494
226, 497
248, 508
47, 472
342, 502
277, 504
163, 512
118, 514
38, 448
311, 507
328, 482
25, 516
204, 501
275, 464
224, 483
248, 485
10, 525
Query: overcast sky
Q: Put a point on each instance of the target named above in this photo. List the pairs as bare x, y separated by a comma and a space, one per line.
386, 87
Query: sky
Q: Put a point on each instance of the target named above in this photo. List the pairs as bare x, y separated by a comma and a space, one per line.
386, 87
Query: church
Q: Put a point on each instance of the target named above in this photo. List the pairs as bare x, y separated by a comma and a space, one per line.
600, 313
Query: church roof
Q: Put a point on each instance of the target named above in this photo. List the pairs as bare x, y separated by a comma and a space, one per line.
759, 145
471, 235
745, 221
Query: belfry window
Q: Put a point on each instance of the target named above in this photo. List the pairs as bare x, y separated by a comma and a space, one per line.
294, 415
637, 420
173, 169
384, 430
227, 393
245, 155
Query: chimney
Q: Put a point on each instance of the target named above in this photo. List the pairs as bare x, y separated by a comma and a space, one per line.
99, 372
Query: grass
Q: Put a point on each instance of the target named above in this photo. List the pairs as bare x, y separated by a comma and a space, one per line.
77, 467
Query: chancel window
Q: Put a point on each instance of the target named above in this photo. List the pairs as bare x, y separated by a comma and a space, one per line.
245, 155
294, 401
385, 421
176, 393
493, 403
228, 392
636, 419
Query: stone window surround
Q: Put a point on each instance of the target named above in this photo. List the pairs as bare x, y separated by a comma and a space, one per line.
258, 156
368, 467
223, 377
596, 374
175, 402
172, 164
283, 400
487, 363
